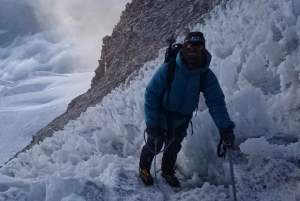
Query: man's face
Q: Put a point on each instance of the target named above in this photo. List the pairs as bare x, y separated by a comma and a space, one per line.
194, 49
193, 52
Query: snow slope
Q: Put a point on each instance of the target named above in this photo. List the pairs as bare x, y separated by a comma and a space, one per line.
26, 106
256, 57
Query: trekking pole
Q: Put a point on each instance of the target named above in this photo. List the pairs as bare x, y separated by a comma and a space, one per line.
228, 145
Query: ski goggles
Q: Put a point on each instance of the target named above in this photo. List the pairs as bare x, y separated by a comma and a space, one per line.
193, 45
195, 39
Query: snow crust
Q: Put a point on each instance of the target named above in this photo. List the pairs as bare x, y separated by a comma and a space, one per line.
255, 49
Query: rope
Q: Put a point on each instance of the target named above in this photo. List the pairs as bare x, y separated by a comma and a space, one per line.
166, 147
192, 127
165, 196
155, 153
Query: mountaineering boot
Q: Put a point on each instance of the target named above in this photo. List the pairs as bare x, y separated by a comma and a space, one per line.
168, 171
170, 178
144, 170
146, 177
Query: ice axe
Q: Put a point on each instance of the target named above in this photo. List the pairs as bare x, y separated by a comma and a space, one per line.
228, 146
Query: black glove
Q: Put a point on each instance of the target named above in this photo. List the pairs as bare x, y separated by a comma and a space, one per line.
153, 132
227, 136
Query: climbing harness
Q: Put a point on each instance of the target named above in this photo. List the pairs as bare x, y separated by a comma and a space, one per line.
168, 143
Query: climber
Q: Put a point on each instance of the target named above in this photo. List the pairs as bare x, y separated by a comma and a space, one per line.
169, 110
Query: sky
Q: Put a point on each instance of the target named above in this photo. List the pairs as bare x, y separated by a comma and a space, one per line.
257, 63
57, 36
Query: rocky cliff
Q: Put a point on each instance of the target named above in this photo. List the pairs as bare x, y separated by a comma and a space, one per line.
144, 27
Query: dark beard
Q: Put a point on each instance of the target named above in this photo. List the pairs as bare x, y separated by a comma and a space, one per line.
192, 56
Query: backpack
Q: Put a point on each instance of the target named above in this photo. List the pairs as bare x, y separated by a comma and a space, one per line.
170, 58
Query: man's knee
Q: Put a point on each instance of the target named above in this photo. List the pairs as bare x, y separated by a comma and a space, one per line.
177, 148
174, 147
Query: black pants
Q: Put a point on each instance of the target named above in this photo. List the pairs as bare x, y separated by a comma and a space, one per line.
170, 154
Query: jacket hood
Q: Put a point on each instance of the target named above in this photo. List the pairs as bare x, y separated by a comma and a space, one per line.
196, 69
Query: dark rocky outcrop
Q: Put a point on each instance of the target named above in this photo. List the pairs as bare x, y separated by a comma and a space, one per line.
143, 29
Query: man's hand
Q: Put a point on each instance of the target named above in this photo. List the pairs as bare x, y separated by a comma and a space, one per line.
227, 136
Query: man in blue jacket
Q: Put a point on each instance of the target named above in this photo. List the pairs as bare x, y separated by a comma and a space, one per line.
168, 113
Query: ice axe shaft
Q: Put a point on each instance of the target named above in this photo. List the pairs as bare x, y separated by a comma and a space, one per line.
232, 174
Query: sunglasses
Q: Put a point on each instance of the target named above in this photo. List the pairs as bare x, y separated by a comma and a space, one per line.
193, 45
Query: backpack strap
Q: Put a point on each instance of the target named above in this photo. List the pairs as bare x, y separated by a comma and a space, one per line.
203, 77
170, 77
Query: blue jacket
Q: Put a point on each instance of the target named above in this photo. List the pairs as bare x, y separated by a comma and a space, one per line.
184, 95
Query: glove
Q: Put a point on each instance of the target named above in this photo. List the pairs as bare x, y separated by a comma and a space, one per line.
227, 136
153, 132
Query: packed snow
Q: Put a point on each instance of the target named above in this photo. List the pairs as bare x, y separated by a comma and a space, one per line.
256, 57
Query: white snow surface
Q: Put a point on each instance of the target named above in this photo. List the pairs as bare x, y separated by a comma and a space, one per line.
28, 105
256, 57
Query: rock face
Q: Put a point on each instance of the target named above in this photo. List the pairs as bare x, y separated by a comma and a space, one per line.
144, 27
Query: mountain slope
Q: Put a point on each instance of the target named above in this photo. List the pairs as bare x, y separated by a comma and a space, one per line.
257, 63
144, 27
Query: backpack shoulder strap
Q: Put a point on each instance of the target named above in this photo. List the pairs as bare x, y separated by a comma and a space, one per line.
203, 77
170, 77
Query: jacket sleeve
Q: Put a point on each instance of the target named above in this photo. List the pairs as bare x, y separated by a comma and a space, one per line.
154, 95
215, 101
